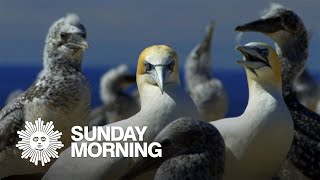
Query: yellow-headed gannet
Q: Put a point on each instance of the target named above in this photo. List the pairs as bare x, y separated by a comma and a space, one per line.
117, 104
286, 28
191, 149
61, 95
163, 100
207, 92
258, 141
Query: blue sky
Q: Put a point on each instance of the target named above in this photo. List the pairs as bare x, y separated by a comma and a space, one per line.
119, 30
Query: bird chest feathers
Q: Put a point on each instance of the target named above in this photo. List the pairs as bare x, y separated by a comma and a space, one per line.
260, 139
63, 100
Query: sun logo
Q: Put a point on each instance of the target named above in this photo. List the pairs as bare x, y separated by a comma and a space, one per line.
39, 142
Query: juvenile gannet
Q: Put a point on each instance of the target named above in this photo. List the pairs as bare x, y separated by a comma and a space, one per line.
117, 104
61, 95
258, 141
207, 92
287, 30
162, 101
191, 149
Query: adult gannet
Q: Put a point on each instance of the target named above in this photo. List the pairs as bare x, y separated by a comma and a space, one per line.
162, 101
61, 95
191, 149
117, 104
258, 141
287, 30
207, 92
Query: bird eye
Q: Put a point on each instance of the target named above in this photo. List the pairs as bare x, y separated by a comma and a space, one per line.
63, 35
264, 52
148, 66
171, 65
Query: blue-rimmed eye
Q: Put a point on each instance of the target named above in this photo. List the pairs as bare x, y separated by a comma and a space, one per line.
148, 66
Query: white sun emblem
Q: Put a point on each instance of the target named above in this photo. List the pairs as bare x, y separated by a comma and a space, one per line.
39, 142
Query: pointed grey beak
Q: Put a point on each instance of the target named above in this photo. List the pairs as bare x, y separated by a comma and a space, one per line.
75, 41
268, 25
252, 59
161, 72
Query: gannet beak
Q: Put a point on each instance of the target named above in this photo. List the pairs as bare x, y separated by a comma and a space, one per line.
206, 43
161, 75
268, 25
252, 58
76, 41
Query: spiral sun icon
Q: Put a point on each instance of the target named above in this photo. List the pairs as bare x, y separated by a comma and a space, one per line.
39, 142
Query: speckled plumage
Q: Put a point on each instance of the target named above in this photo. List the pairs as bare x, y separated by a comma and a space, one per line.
286, 28
117, 104
61, 94
207, 92
191, 149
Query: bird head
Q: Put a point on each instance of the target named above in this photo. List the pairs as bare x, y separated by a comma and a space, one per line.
66, 37
262, 63
277, 22
200, 56
158, 66
115, 81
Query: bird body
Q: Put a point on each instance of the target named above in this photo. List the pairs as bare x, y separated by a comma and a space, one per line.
61, 95
258, 141
191, 149
207, 92
162, 101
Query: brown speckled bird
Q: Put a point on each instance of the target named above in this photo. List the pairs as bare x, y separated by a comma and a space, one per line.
61, 94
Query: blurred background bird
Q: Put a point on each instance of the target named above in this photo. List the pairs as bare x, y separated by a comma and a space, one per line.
207, 92
117, 103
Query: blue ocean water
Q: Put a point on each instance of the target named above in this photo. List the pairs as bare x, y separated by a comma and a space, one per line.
15, 77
